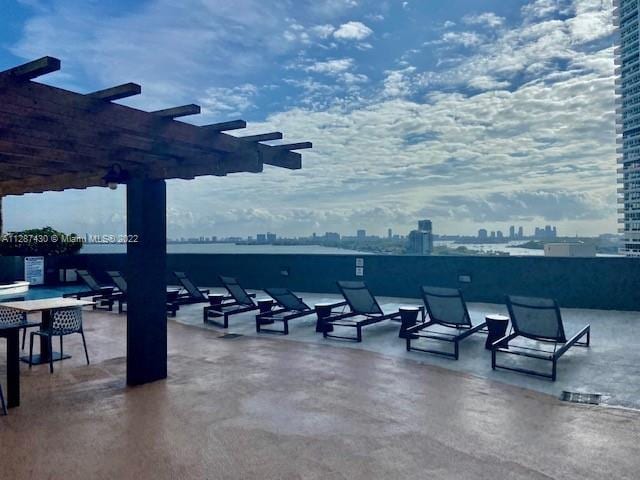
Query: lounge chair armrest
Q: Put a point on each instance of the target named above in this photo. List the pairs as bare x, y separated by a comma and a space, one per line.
572, 341
504, 341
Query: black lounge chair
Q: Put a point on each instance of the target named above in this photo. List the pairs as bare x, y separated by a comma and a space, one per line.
100, 293
365, 310
536, 319
240, 302
120, 296
447, 310
193, 294
291, 307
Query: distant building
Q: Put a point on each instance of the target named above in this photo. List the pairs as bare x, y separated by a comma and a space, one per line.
492, 235
425, 225
499, 235
389, 234
482, 234
332, 237
512, 232
569, 250
271, 237
420, 243
520, 233
261, 238
361, 234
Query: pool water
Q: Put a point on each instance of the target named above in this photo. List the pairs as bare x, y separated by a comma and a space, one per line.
36, 293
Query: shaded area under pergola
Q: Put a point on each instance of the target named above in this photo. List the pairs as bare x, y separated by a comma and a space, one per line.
53, 139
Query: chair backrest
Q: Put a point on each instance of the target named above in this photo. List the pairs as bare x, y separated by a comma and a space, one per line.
10, 317
287, 299
238, 293
536, 318
66, 320
189, 286
446, 306
359, 298
88, 279
119, 280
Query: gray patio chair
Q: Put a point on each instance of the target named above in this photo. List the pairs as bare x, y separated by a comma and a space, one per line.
239, 301
446, 309
64, 321
364, 311
537, 319
10, 317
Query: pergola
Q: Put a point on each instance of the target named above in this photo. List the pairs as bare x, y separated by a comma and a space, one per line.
53, 139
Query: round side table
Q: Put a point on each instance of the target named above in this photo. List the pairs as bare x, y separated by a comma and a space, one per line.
264, 306
497, 326
323, 310
408, 318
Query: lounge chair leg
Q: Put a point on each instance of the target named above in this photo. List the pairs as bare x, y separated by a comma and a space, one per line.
286, 327
408, 340
359, 334
257, 324
31, 349
226, 321
455, 350
493, 359
553, 370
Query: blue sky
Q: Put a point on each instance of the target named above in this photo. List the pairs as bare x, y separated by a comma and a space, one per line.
474, 113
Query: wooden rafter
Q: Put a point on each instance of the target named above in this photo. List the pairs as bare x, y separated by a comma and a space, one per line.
51, 138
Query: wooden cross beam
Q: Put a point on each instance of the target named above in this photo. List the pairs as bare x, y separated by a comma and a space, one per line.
33, 69
293, 146
116, 93
224, 126
176, 112
263, 137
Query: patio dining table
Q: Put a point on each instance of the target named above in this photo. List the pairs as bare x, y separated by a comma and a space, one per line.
45, 305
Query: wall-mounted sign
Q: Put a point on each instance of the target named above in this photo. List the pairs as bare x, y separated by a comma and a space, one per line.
34, 270
359, 262
359, 271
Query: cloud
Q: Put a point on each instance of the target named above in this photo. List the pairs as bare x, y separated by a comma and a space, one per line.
488, 19
331, 67
466, 39
352, 31
219, 101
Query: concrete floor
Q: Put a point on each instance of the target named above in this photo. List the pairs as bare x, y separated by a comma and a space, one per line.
269, 407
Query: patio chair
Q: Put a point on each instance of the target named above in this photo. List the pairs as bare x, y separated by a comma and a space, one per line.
291, 307
447, 311
241, 302
536, 319
120, 296
64, 321
100, 293
192, 294
364, 311
10, 317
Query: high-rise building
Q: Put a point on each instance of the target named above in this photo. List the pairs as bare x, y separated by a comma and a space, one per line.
271, 237
425, 225
420, 243
520, 232
482, 234
627, 65
499, 235
389, 234
261, 238
512, 232
361, 234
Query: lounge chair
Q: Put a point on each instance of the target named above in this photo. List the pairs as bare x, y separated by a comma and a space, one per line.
364, 310
240, 302
192, 293
290, 307
448, 312
99, 292
120, 296
536, 319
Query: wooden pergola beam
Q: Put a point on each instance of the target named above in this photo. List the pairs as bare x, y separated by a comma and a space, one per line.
176, 112
263, 137
225, 126
33, 69
116, 93
293, 146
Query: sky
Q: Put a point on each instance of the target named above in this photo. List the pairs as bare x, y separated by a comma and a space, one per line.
473, 113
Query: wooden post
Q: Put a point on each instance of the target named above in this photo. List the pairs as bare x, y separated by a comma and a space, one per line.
146, 278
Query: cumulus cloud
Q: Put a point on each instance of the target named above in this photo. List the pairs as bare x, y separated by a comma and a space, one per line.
488, 19
352, 31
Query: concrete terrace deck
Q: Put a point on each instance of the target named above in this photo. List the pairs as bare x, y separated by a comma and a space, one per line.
297, 408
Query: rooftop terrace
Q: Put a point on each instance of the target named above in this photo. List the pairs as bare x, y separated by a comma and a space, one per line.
269, 406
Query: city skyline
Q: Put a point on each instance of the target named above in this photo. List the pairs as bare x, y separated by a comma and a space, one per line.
473, 114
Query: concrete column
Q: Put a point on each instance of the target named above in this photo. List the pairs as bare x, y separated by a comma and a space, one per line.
146, 278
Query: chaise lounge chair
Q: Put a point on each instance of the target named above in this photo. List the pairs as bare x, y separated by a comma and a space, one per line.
100, 293
121, 295
365, 310
241, 302
291, 307
536, 319
192, 294
447, 310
